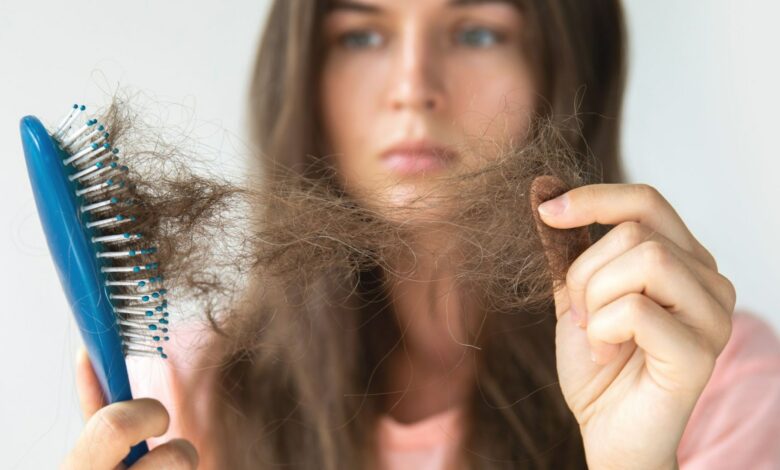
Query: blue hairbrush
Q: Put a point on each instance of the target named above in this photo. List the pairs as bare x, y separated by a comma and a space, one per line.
109, 276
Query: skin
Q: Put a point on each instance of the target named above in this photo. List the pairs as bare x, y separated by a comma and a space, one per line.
646, 301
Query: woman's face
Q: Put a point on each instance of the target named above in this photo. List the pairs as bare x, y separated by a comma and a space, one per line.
412, 89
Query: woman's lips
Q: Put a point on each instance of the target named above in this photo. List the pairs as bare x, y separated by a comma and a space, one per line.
410, 159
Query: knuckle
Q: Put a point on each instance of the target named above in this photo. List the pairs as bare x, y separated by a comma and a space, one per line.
179, 454
631, 234
731, 293
656, 253
708, 257
649, 193
651, 197
636, 305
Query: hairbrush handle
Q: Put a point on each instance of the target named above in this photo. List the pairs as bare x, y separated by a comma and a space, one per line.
77, 264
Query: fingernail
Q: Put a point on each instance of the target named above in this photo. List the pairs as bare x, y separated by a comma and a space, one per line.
554, 206
592, 356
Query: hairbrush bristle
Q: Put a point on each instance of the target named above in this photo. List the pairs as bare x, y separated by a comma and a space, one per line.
131, 273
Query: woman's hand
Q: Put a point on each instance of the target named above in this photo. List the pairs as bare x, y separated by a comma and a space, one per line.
111, 430
654, 313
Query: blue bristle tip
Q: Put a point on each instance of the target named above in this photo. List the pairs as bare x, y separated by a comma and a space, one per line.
152, 327
136, 269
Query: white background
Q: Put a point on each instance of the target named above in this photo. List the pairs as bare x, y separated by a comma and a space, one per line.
699, 125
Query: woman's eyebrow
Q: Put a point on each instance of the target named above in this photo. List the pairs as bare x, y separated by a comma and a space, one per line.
352, 5
466, 3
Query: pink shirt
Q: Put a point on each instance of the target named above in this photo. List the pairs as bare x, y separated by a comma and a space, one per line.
735, 424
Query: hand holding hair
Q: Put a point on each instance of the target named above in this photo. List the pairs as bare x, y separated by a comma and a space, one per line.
642, 315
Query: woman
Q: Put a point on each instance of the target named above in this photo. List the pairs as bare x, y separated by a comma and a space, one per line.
638, 325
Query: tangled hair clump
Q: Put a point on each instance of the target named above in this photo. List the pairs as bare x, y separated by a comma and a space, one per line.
207, 236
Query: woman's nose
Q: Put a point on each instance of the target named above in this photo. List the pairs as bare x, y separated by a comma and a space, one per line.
416, 81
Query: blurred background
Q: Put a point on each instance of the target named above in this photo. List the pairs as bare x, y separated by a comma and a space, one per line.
700, 118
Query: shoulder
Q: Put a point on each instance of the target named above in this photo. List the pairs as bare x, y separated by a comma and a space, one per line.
734, 423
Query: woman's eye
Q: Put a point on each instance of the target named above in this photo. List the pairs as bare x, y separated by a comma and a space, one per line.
360, 39
478, 37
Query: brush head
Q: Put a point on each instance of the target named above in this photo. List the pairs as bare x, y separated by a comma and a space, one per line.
126, 269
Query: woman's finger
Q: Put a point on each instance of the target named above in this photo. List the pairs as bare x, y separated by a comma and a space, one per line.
112, 430
625, 237
616, 203
176, 454
653, 270
90, 393
675, 355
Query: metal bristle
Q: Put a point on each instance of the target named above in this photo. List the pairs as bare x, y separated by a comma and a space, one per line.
136, 289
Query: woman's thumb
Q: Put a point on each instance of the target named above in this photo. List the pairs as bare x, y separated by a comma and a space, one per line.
89, 390
561, 246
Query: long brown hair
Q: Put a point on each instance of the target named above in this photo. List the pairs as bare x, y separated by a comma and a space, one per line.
295, 377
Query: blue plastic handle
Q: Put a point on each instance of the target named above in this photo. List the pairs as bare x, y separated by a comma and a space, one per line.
77, 264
